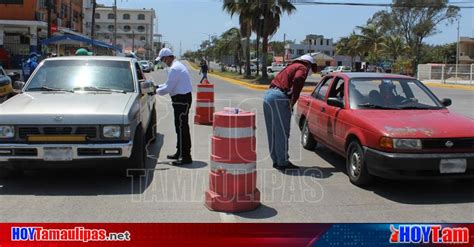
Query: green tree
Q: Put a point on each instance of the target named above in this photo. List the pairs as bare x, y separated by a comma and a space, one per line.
349, 46
230, 44
267, 21
417, 19
393, 47
370, 39
245, 10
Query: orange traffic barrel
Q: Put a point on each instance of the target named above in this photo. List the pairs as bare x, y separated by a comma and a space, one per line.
204, 104
233, 174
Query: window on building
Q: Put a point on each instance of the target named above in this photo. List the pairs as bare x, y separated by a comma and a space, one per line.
106, 36
141, 17
327, 42
126, 16
126, 28
321, 41
97, 15
110, 16
141, 29
97, 27
300, 52
111, 27
142, 38
119, 37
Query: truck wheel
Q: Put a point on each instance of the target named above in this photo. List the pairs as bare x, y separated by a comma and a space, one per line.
7, 172
270, 71
151, 131
137, 160
307, 139
356, 166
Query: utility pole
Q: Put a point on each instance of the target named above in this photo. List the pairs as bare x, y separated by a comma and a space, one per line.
115, 22
48, 7
133, 40
94, 6
284, 47
180, 49
457, 54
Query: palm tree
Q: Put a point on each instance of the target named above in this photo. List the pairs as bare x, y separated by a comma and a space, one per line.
393, 47
370, 40
230, 44
349, 46
266, 18
244, 9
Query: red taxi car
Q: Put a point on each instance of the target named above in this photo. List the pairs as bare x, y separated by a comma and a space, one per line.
387, 125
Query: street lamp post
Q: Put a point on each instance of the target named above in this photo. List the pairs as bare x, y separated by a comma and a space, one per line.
457, 54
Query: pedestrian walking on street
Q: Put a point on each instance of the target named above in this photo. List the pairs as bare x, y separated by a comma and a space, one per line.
278, 105
204, 69
178, 86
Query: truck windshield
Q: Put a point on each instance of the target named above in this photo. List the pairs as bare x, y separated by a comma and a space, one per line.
69, 75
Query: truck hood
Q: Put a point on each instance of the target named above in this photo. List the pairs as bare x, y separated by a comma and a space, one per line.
65, 108
418, 123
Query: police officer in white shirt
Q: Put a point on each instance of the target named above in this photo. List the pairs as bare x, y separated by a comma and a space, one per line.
178, 86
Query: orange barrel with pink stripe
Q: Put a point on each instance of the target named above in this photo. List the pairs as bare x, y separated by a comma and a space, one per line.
204, 104
233, 174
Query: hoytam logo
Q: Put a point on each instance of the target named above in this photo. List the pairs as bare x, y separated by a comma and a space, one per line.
435, 234
76, 234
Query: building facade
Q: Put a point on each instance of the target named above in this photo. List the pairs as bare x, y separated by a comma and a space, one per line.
23, 23
134, 29
311, 44
466, 50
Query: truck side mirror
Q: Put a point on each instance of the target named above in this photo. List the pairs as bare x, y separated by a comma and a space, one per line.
18, 85
147, 87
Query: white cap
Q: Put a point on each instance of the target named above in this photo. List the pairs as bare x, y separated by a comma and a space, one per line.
307, 58
165, 52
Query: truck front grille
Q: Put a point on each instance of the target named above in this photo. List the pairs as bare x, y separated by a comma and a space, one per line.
91, 132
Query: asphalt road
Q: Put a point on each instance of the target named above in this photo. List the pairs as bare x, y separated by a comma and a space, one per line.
320, 192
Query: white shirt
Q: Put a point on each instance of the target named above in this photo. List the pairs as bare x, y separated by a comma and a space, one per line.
178, 81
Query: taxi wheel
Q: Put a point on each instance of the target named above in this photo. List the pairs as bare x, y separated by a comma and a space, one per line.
136, 163
307, 139
356, 166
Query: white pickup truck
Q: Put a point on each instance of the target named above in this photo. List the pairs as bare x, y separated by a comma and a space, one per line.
78, 108
276, 67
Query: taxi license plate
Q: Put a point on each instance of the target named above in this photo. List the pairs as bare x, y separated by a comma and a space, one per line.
58, 154
453, 165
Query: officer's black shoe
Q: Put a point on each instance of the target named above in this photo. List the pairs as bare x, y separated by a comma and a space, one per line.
183, 161
173, 156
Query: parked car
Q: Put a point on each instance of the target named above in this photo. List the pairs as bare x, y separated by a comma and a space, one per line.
253, 67
386, 125
327, 70
145, 65
276, 67
152, 66
5, 85
79, 108
342, 69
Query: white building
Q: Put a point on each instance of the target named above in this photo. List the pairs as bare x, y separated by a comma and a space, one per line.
87, 12
312, 44
134, 29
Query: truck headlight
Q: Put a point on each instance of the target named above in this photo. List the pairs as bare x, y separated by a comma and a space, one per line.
7, 132
112, 131
407, 143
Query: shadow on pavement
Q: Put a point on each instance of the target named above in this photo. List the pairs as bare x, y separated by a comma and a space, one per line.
262, 212
195, 165
93, 178
406, 191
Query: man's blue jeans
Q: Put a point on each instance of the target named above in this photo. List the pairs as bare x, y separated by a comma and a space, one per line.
277, 113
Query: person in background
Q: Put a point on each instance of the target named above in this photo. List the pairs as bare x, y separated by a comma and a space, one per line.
83, 52
204, 69
178, 86
30, 65
278, 105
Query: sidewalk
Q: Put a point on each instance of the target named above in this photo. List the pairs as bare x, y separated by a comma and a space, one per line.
306, 89
460, 86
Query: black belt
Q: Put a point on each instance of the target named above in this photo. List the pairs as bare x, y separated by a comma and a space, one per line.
287, 92
179, 97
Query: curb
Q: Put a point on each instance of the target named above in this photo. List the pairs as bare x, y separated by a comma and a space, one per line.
455, 86
248, 85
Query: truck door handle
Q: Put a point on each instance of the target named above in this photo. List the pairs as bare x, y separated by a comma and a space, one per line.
323, 109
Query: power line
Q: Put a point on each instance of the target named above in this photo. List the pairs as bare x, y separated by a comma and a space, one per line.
308, 2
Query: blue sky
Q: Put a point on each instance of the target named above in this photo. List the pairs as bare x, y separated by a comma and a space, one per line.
190, 21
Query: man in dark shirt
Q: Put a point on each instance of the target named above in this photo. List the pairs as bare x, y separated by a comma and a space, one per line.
278, 106
203, 71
